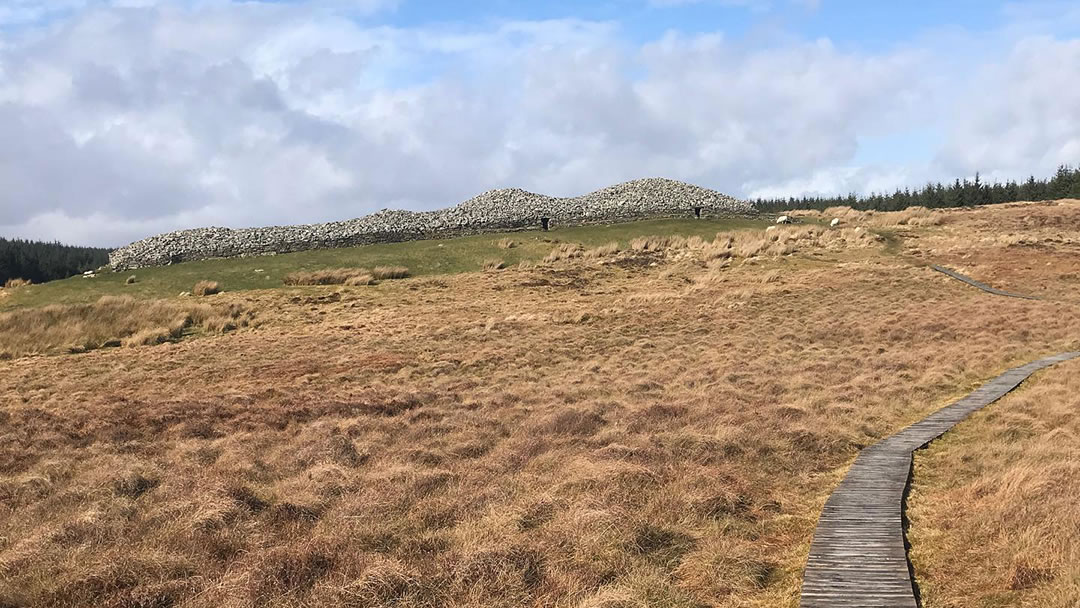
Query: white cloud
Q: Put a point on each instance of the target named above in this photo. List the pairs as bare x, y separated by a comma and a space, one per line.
1019, 116
119, 122
835, 180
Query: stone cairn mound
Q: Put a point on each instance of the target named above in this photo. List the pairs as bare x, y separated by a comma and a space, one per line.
494, 211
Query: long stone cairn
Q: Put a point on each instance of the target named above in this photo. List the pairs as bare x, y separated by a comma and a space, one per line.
494, 211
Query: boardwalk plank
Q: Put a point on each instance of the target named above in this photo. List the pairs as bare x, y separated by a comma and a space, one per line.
982, 286
858, 556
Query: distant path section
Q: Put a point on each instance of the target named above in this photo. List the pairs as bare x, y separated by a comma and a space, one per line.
858, 556
982, 286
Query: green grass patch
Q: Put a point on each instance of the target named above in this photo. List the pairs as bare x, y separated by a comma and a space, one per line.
447, 256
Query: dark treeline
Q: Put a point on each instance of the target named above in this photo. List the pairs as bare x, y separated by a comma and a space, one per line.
40, 262
961, 193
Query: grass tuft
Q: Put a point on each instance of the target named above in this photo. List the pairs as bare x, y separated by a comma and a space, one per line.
13, 283
565, 251
112, 320
206, 288
390, 272
602, 251
331, 276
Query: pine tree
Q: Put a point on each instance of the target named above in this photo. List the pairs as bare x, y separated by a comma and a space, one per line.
40, 262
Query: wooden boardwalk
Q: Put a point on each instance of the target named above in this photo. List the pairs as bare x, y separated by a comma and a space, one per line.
982, 286
858, 556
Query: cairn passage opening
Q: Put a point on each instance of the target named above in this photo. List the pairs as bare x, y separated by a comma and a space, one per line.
697, 212
543, 223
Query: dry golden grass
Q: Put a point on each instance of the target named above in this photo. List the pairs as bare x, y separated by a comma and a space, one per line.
573, 434
361, 279
131, 280
111, 321
13, 283
506, 243
345, 276
206, 288
493, 264
603, 251
1031, 248
565, 251
995, 506
332, 276
912, 216
776, 241
390, 272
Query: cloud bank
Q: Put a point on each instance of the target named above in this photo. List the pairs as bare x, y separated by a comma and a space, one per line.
120, 120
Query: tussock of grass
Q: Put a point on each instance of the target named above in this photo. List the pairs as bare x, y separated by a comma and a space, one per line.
602, 251
494, 264
912, 216
653, 243
390, 272
13, 283
333, 276
565, 251
206, 288
773, 242
360, 279
131, 280
506, 243
112, 320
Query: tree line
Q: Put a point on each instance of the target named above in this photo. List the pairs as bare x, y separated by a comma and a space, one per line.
40, 261
961, 193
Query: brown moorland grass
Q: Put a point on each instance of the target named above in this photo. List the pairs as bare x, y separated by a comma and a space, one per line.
565, 251
206, 288
332, 276
390, 272
14, 283
572, 434
912, 216
1031, 248
602, 251
111, 321
995, 505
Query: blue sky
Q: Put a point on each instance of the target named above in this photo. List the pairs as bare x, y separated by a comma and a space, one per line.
124, 118
850, 23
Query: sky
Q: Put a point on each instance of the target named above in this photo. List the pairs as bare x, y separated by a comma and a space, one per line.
120, 119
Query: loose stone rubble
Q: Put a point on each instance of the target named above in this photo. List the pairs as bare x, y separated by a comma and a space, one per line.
493, 211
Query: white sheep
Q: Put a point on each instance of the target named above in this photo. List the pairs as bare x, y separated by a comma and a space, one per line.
835, 222
784, 219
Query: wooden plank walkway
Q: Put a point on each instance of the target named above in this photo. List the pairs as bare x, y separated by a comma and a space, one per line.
858, 555
982, 286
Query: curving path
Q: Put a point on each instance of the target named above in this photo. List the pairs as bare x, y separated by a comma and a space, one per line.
858, 556
982, 286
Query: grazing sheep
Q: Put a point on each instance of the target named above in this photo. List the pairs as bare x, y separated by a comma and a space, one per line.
785, 219
835, 222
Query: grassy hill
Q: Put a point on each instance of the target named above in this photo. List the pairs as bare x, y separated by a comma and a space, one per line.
420, 257
659, 426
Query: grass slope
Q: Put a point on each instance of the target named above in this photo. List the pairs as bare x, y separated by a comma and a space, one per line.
660, 429
995, 504
420, 257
